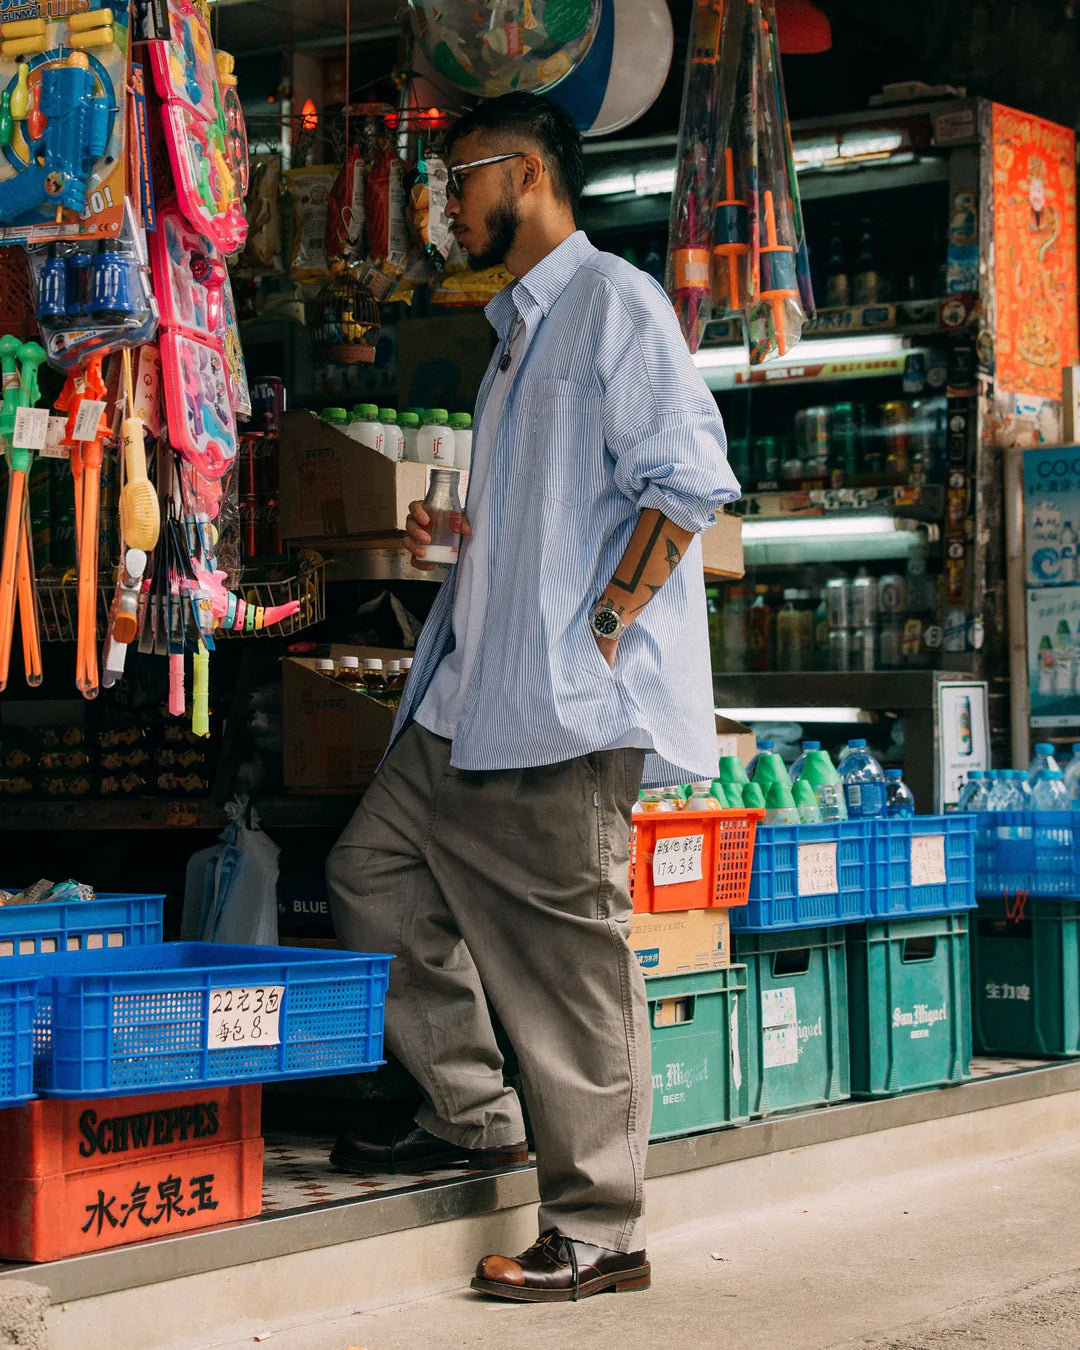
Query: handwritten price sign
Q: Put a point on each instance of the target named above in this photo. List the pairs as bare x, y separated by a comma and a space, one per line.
246, 1016
817, 869
928, 860
677, 859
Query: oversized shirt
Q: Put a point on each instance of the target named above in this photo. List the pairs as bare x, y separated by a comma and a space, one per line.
607, 416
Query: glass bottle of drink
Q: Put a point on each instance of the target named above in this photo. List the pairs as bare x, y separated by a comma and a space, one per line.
837, 278
761, 631
734, 628
374, 677
444, 509
324, 666
867, 281
349, 674
396, 675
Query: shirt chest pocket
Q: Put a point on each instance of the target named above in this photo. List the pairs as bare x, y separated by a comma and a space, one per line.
568, 461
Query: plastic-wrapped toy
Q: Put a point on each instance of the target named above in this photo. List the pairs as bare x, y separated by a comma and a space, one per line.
207, 149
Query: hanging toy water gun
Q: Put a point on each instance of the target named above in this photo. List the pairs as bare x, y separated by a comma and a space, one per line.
779, 280
72, 126
731, 240
123, 626
20, 390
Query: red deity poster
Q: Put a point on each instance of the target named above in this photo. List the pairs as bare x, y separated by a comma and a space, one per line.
1034, 252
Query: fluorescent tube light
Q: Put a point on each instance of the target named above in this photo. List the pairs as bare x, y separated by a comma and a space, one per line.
757, 531
795, 714
808, 353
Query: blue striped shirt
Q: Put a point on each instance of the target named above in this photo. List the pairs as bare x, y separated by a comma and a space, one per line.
607, 417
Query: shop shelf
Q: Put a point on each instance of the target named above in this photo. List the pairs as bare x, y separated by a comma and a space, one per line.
909, 1004
17, 1007
1025, 977
183, 1014
922, 865
1033, 852
699, 1051
805, 876
80, 925
796, 989
725, 851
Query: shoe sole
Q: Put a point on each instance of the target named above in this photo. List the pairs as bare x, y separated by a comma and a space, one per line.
452, 1158
619, 1282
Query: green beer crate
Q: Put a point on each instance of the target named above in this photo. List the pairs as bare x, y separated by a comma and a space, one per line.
699, 1051
909, 1004
1025, 977
796, 989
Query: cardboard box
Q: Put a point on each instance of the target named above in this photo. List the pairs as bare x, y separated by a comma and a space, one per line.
721, 548
332, 487
734, 738
333, 737
682, 941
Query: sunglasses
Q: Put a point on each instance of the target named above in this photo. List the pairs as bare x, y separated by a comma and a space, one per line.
454, 185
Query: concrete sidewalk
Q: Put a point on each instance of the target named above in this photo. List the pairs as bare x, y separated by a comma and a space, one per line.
965, 1253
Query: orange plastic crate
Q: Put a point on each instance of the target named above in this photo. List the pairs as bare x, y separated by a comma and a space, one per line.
82, 1175
727, 853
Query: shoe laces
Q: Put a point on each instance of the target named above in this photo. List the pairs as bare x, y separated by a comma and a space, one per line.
561, 1250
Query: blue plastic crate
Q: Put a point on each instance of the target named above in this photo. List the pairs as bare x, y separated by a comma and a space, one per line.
137, 1019
835, 885
1037, 852
81, 925
17, 1007
937, 852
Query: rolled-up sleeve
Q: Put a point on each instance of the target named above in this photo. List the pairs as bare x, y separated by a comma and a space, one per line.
661, 423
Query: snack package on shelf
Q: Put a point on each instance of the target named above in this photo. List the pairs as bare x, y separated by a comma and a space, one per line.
262, 251
345, 212
309, 193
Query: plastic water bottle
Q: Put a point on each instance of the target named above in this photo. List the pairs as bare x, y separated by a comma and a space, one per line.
818, 771
807, 802
780, 808
409, 424
898, 798
1050, 793
365, 427
1042, 762
1072, 773
770, 768
435, 443
797, 767
1022, 789
393, 442
973, 794
864, 782
763, 747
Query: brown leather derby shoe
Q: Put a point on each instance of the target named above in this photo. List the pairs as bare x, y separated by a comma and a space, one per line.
414, 1149
555, 1269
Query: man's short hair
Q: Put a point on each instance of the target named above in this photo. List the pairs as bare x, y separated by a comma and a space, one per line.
540, 121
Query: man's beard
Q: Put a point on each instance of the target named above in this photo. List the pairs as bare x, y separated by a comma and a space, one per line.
502, 223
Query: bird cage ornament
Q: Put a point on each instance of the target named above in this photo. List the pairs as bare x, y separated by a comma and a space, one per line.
344, 322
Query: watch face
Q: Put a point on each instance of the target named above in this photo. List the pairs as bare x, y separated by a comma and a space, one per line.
605, 623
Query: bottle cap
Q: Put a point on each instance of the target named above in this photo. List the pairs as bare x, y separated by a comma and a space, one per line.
811, 745
372, 663
408, 419
322, 664
365, 412
894, 773
435, 417
1076, 748
857, 744
976, 774
392, 667
350, 663
462, 420
406, 663
334, 415
1044, 748
388, 415
765, 745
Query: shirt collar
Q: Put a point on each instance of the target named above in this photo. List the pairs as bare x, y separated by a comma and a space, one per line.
542, 284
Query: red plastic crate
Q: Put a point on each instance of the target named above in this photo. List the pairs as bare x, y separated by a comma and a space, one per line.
727, 853
83, 1175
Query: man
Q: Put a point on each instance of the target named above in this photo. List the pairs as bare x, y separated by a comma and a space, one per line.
569, 649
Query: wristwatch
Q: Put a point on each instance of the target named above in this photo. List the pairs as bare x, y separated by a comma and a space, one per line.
605, 621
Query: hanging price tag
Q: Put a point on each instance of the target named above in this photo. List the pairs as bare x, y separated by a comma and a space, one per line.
31, 428
817, 869
247, 1016
677, 859
928, 860
86, 422
53, 449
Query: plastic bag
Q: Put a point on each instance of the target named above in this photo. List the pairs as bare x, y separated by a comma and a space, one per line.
345, 212
310, 189
231, 889
387, 232
426, 211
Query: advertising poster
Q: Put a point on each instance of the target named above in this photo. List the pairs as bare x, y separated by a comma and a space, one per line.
964, 739
1053, 627
1035, 251
1052, 574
